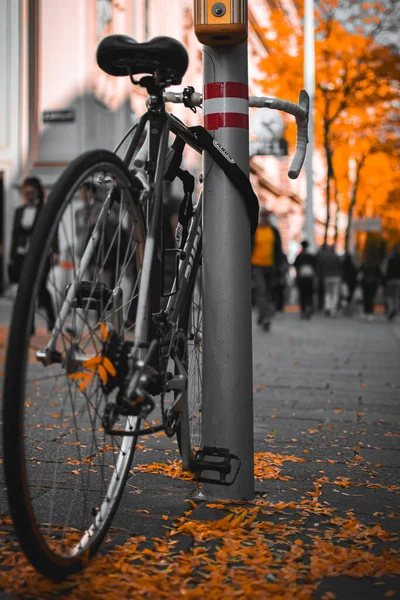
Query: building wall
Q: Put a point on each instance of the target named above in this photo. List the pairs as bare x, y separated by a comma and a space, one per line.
10, 109
47, 63
69, 78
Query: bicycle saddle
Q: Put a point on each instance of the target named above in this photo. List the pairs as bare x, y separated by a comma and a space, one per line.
117, 54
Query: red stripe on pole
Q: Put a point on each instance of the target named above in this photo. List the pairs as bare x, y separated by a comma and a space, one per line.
226, 89
217, 120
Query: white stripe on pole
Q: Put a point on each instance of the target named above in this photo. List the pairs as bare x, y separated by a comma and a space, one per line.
222, 105
309, 84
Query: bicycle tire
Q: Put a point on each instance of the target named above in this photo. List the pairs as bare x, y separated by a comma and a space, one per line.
64, 475
189, 424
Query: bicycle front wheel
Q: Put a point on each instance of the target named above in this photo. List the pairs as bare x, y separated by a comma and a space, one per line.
65, 474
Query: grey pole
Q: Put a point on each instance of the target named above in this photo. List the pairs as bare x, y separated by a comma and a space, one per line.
227, 338
309, 84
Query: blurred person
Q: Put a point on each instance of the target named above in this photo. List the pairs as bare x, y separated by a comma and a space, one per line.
305, 265
320, 281
349, 279
370, 277
330, 271
282, 275
25, 219
85, 219
86, 216
265, 257
391, 273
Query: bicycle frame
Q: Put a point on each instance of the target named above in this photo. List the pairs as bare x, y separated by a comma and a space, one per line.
150, 279
158, 142
160, 124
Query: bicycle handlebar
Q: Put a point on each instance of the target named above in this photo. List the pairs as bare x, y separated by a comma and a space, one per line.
300, 111
196, 99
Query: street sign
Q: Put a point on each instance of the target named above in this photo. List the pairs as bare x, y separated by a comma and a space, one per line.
58, 116
272, 147
267, 125
368, 224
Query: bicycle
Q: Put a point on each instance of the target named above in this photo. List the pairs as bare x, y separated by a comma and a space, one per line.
77, 398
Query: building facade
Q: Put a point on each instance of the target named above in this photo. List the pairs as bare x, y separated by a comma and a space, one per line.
55, 102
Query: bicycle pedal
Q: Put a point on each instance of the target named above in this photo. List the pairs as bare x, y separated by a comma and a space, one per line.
91, 296
215, 460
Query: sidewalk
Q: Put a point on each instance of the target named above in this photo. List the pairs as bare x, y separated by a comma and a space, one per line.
326, 516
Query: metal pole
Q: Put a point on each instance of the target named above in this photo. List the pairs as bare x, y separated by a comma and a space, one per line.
227, 348
309, 84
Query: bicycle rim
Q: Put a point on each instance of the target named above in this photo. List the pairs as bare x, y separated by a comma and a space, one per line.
65, 474
189, 430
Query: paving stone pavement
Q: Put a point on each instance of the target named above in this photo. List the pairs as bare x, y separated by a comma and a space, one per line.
326, 391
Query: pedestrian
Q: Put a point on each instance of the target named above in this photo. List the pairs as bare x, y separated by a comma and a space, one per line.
266, 255
392, 283
330, 271
305, 265
25, 219
320, 281
87, 215
370, 277
279, 291
349, 280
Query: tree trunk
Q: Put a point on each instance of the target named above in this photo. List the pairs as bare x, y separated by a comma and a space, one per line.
352, 204
329, 174
336, 196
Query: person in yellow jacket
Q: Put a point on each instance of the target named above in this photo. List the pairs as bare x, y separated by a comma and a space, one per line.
265, 260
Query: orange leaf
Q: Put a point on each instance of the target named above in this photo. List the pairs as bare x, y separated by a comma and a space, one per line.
102, 373
109, 366
298, 542
75, 375
91, 363
82, 385
104, 331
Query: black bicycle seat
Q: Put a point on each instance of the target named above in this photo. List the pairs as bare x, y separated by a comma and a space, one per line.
120, 54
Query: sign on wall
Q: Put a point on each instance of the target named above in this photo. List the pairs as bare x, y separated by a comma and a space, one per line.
58, 116
269, 127
272, 147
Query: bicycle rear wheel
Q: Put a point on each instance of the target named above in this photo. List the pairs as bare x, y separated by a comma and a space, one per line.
64, 473
189, 428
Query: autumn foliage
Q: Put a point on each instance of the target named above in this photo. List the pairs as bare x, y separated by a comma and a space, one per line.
356, 112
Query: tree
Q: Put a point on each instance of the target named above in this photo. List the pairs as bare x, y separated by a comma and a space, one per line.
353, 73
366, 158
